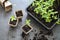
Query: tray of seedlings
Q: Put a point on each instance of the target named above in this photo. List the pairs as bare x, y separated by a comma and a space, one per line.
45, 12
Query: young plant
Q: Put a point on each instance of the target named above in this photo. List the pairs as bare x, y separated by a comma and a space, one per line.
42, 8
28, 22
13, 18
58, 22
13, 22
27, 28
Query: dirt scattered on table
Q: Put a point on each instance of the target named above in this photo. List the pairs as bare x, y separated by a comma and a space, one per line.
41, 35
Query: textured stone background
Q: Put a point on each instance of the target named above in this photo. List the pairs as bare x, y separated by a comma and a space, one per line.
6, 33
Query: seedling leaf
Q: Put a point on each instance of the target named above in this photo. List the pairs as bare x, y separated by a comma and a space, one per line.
28, 22
12, 18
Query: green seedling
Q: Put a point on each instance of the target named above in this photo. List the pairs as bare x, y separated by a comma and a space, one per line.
13, 18
28, 22
58, 22
42, 9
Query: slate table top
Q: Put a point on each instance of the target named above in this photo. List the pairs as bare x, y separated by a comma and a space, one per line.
6, 33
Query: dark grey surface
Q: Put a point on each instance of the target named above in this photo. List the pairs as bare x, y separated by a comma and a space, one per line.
6, 33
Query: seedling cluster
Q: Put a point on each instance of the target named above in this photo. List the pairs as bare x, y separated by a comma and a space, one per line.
58, 21
44, 8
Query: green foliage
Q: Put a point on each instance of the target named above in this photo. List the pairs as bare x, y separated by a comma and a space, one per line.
42, 9
12, 18
28, 22
58, 22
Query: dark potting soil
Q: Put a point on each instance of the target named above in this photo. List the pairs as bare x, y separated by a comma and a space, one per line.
31, 10
30, 39
39, 36
19, 13
36, 34
23, 34
59, 16
42, 38
41, 32
49, 32
13, 22
26, 28
34, 38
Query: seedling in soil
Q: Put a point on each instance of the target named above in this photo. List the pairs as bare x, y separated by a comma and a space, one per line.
27, 28
58, 22
19, 14
13, 21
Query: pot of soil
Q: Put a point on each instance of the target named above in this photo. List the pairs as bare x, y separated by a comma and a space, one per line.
13, 22
26, 29
40, 16
2, 2
19, 14
7, 6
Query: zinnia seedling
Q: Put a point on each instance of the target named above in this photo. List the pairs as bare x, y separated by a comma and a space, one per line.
58, 22
28, 22
13, 18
